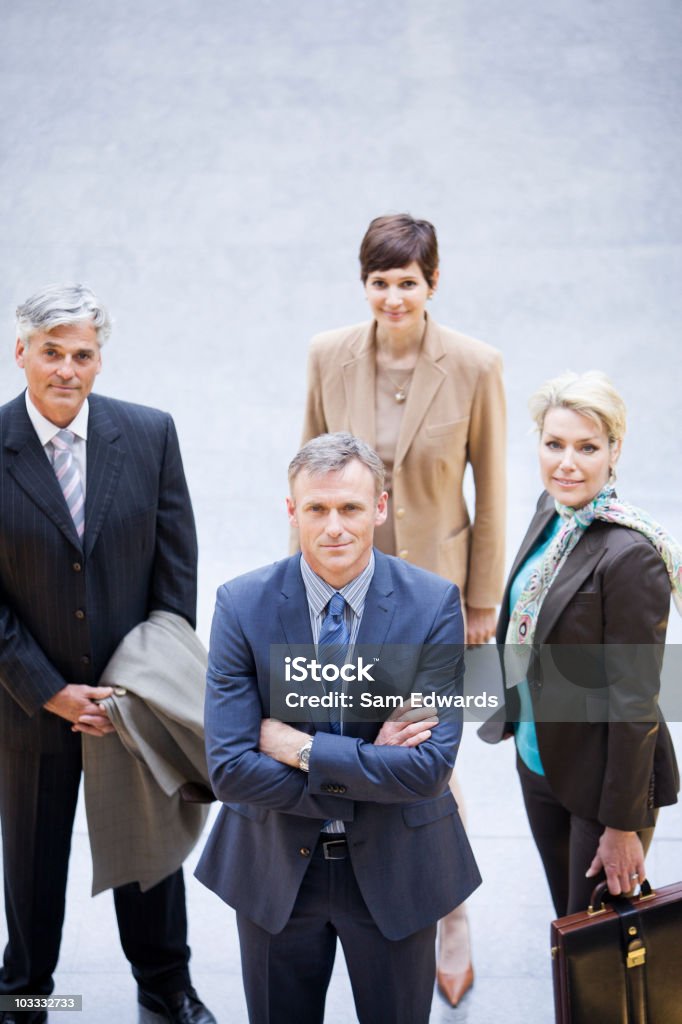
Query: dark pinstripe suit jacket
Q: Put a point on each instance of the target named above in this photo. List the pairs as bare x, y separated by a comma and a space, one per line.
65, 605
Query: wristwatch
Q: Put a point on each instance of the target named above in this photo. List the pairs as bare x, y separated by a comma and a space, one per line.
304, 756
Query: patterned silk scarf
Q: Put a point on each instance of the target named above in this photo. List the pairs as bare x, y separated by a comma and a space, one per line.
607, 507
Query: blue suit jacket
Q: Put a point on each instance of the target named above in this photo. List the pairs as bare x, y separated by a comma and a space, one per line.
408, 848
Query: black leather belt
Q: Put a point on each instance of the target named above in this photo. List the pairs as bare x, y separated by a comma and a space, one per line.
334, 846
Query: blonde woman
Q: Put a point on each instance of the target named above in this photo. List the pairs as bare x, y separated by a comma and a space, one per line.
584, 619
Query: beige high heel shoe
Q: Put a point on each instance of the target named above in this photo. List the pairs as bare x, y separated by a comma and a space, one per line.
455, 974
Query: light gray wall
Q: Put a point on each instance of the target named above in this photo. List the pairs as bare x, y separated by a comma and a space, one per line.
210, 167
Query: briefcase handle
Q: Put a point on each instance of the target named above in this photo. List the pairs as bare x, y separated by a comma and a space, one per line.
601, 895
633, 944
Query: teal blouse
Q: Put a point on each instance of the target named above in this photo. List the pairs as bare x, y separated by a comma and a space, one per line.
525, 734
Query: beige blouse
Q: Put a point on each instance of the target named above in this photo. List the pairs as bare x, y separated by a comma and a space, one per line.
389, 414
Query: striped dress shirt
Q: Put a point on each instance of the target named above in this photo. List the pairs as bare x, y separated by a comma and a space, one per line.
319, 594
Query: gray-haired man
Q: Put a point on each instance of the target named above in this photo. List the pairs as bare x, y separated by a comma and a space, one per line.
96, 531
336, 826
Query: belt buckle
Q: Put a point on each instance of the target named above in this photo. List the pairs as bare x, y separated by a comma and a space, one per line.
330, 854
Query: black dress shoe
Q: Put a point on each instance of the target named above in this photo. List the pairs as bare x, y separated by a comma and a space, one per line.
23, 1016
178, 1008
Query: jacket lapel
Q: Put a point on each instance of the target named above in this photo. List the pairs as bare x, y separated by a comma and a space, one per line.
294, 617
105, 460
377, 618
578, 566
537, 526
359, 381
427, 379
32, 471
379, 606
575, 570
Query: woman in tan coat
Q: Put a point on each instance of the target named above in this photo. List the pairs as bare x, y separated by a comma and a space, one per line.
429, 400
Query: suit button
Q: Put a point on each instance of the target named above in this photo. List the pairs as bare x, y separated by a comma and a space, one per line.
85, 660
342, 789
404, 553
399, 513
76, 567
304, 851
79, 613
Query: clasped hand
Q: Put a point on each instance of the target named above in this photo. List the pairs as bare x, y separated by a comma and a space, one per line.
77, 704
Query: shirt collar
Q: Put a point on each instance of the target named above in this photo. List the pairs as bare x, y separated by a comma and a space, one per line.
46, 429
320, 593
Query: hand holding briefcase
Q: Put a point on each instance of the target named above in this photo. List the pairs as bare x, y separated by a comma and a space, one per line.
620, 961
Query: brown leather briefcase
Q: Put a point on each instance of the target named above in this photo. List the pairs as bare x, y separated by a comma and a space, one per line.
620, 961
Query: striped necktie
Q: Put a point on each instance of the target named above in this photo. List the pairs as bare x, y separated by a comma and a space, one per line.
69, 477
333, 649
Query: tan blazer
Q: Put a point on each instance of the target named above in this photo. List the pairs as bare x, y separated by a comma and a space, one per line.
454, 414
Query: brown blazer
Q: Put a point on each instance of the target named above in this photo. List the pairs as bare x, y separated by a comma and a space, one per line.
599, 647
454, 414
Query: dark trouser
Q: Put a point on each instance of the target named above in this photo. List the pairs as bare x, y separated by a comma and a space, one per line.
286, 975
566, 843
38, 794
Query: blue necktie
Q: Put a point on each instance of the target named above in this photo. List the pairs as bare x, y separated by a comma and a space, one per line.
333, 649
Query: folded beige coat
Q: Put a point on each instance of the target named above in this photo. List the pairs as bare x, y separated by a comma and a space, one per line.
140, 829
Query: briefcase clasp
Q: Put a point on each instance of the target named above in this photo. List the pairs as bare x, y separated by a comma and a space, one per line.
636, 957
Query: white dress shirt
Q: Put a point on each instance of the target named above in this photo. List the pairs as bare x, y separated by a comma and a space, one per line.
46, 430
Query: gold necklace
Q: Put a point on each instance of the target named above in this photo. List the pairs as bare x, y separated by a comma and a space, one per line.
400, 390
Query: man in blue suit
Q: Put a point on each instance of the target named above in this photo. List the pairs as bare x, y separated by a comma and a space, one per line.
96, 532
341, 826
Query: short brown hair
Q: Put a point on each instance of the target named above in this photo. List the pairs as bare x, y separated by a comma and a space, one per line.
397, 240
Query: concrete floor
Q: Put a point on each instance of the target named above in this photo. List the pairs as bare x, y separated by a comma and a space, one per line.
510, 915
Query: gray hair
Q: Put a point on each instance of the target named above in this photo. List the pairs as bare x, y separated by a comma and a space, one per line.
329, 453
590, 394
60, 304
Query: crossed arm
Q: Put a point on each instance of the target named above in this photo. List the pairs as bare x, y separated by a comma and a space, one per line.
283, 742
255, 760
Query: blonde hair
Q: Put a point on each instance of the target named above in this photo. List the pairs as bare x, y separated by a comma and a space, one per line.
590, 394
